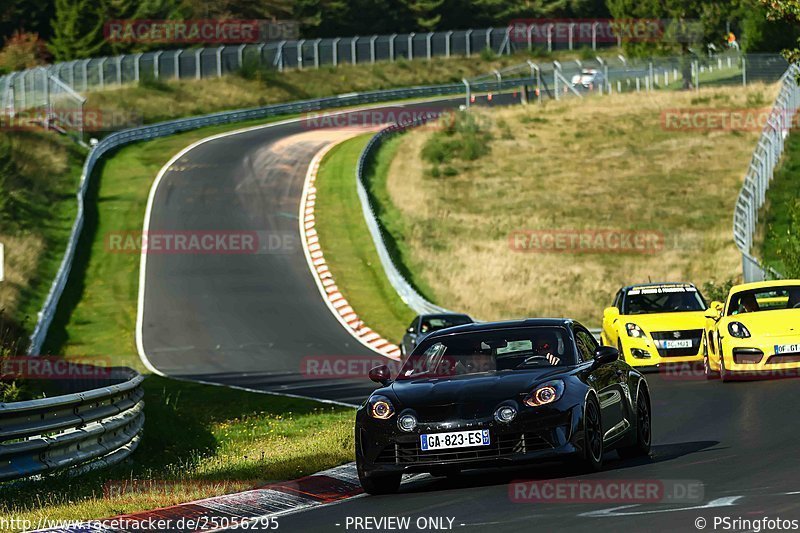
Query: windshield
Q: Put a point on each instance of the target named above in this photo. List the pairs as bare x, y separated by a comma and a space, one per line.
490, 351
435, 323
767, 299
662, 300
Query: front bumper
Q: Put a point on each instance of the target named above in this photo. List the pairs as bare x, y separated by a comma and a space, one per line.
736, 351
645, 352
532, 436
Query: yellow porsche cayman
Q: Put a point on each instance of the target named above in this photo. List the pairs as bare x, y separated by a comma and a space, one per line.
756, 332
656, 323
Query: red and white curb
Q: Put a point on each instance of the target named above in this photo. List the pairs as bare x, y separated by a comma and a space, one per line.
331, 294
256, 507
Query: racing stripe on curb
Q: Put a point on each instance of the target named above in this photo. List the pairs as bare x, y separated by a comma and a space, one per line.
256, 506
319, 268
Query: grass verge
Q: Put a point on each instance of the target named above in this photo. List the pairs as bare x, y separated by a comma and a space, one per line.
199, 440
348, 246
782, 203
597, 164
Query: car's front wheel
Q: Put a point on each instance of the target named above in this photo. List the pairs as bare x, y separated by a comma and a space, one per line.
709, 372
592, 459
380, 483
644, 429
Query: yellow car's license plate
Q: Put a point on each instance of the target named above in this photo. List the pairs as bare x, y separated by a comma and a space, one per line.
786, 348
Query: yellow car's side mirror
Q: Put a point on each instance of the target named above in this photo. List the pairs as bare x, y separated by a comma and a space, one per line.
714, 310
610, 313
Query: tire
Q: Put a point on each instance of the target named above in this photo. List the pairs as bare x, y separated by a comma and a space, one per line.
380, 483
644, 429
724, 373
592, 458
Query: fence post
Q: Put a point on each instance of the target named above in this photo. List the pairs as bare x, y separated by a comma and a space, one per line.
556, 69
744, 70
550, 37
316, 53
391, 46
102, 72
489, 38
156, 65
594, 35
529, 31
537, 73
218, 54
447, 38
300, 44
137, 66
279, 56
571, 30
466, 84
119, 70
354, 50
47, 104
198, 71
372, 48
411, 45
177, 64
468, 42
240, 55
428, 42
335, 50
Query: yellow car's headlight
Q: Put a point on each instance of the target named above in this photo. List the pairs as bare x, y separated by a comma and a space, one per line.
634, 331
738, 330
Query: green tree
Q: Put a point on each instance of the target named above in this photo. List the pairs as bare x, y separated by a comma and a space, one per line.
788, 11
77, 29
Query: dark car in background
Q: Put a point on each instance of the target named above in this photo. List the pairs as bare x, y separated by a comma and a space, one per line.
497, 394
424, 325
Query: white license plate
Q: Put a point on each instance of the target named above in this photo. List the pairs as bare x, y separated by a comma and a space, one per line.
680, 343
455, 439
787, 348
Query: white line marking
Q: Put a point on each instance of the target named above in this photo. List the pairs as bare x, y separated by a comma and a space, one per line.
613, 512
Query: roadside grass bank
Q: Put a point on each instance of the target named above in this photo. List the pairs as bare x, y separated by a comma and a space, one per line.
199, 440
779, 233
469, 205
156, 100
39, 174
347, 244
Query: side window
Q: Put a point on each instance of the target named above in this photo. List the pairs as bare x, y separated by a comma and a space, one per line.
618, 300
587, 346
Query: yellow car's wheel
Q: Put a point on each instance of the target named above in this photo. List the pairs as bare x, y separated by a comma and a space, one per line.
709, 372
724, 374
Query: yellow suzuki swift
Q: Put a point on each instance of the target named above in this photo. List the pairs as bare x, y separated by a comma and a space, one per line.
656, 323
756, 332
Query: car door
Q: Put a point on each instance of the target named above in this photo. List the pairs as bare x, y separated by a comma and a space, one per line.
609, 381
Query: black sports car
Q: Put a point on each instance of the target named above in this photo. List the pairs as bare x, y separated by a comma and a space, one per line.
424, 325
494, 394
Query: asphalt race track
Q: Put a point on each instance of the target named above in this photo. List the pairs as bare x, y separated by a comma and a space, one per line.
251, 319
739, 440
245, 319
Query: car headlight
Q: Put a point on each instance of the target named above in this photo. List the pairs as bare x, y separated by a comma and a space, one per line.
634, 331
545, 393
737, 329
380, 407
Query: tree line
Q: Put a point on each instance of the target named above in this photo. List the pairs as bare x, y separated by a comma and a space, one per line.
37, 31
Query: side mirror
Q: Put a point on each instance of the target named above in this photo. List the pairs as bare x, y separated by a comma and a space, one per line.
410, 330
605, 355
381, 374
610, 313
714, 310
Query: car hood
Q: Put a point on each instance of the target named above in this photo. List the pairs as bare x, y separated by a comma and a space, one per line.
666, 321
777, 323
486, 389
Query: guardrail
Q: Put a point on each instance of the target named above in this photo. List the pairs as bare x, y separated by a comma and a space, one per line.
84, 430
760, 172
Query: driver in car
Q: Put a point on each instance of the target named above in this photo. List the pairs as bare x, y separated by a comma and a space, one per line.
546, 345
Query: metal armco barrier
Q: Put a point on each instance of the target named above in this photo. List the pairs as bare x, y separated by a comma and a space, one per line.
82, 431
760, 172
407, 293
